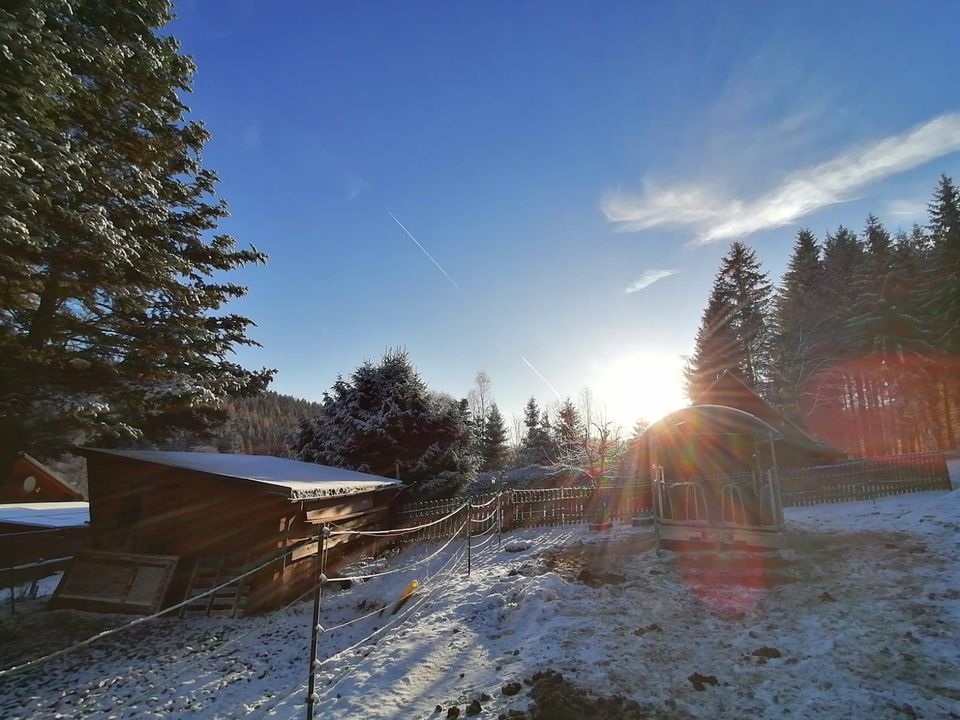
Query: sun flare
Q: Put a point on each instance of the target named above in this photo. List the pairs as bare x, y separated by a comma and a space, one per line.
641, 384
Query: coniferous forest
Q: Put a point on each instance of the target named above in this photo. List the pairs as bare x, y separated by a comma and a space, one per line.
860, 341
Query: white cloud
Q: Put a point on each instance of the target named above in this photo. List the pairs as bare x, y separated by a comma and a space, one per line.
907, 208
805, 191
649, 278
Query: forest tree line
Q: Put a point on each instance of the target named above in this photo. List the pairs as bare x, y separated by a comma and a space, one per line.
861, 340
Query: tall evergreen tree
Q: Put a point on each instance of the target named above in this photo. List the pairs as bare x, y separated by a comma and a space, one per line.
568, 431
878, 335
943, 299
734, 332
494, 440
536, 445
110, 272
843, 259
796, 313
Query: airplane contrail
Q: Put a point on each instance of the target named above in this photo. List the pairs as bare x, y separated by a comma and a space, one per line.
422, 248
539, 375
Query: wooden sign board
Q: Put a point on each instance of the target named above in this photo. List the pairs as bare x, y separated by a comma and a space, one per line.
116, 582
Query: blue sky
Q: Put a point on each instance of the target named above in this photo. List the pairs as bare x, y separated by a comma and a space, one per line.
549, 157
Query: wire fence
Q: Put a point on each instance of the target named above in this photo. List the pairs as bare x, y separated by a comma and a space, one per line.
456, 546
468, 528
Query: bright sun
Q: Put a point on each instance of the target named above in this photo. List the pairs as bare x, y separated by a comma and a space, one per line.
641, 384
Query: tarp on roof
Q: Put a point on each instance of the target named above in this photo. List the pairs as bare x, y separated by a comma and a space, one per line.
46, 514
713, 420
731, 391
295, 479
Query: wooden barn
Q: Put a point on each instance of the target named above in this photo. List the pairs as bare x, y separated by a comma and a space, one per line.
166, 526
30, 481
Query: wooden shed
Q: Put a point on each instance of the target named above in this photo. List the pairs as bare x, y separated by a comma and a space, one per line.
212, 517
30, 481
39, 539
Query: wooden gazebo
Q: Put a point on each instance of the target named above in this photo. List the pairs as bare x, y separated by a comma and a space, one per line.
713, 472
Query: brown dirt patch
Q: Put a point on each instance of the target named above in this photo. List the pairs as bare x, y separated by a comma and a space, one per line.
598, 563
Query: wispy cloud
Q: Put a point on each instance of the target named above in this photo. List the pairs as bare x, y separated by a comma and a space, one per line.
801, 193
424, 250
540, 375
648, 278
907, 208
354, 187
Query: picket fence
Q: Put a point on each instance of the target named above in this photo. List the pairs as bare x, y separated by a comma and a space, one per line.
839, 482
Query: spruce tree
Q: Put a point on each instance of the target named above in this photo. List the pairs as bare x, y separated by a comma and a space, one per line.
536, 444
878, 334
568, 431
494, 440
943, 301
796, 313
109, 258
383, 418
734, 333
531, 419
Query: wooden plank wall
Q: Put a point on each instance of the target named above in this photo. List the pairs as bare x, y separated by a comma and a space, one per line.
31, 555
369, 511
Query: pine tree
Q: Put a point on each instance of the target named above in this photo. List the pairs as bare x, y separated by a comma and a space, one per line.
943, 300
879, 333
838, 388
796, 316
383, 418
568, 431
531, 419
734, 333
494, 440
110, 269
536, 444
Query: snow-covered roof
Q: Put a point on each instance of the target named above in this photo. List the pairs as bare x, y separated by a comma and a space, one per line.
46, 514
293, 478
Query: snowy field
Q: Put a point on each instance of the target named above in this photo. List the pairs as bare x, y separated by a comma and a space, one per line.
859, 618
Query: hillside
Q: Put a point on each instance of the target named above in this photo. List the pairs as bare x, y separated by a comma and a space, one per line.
260, 425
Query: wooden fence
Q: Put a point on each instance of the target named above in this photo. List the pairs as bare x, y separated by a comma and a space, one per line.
839, 482
526, 508
864, 479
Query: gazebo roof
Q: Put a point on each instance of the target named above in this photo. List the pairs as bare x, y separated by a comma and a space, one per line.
713, 420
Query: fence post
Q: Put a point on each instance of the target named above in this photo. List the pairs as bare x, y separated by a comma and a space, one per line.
319, 579
466, 527
13, 585
500, 513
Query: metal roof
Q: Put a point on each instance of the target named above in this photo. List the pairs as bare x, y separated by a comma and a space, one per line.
293, 478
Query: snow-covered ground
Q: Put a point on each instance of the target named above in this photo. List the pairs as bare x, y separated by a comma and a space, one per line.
859, 618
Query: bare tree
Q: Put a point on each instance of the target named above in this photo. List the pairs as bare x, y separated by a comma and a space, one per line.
586, 402
519, 430
480, 396
608, 445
